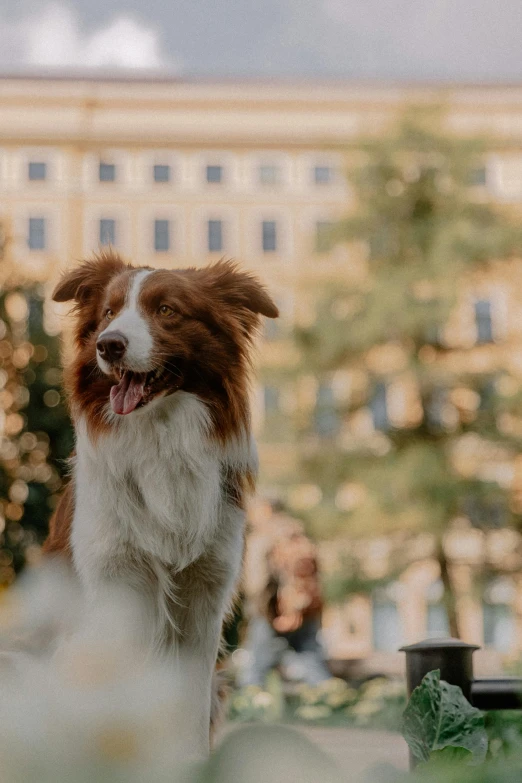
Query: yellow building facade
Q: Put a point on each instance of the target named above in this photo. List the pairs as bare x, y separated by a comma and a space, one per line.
175, 173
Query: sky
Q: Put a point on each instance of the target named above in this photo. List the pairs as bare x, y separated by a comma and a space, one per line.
393, 40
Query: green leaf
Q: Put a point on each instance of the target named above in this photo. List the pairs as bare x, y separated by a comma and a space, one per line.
439, 716
450, 756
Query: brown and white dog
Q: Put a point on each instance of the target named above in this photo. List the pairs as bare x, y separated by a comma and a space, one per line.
164, 459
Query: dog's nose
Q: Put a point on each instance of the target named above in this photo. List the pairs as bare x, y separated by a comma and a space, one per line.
111, 346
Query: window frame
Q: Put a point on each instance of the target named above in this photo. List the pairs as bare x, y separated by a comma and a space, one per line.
386, 636
56, 162
102, 163
276, 182
484, 322
271, 399
35, 163
30, 228
156, 167
215, 222
216, 166
199, 219
166, 223
317, 181
378, 405
496, 617
271, 236
113, 241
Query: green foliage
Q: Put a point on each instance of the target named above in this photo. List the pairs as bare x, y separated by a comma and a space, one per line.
252, 703
425, 232
454, 742
377, 703
351, 578
37, 437
438, 717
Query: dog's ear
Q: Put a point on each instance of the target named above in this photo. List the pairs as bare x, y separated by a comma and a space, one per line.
88, 279
240, 289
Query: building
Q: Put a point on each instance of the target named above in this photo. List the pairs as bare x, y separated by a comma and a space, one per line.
176, 173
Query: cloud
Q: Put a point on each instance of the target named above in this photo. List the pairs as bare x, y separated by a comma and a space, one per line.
406, 39
53, 38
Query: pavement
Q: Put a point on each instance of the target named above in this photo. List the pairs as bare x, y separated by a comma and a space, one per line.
357, 752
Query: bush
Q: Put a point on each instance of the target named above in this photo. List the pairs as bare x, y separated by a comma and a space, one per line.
377, 703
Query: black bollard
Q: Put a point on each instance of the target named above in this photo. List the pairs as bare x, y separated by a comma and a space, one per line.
451, 656
454, 659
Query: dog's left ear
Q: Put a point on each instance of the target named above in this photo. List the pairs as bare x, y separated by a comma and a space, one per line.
88, 279
240, 289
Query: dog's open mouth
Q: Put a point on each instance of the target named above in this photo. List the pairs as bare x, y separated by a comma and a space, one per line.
134, 390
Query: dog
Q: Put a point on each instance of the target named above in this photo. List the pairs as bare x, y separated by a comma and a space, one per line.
158, 389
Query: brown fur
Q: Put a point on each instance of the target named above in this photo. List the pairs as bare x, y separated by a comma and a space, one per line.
202, 345
205, 346
58, 541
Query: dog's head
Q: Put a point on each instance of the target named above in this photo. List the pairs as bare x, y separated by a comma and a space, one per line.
143, 334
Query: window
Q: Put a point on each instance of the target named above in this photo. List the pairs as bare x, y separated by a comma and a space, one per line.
214, 174
437, 624
323, 236
36, 237
483, 321
326, 417
435, 408
161, 235
107, 231
271, 399
386, 625
37, 171
161, 173
478, 177
499, 626
323, 175
269, 174
379, 407
215, 236
437, 621
107, 172
269, 236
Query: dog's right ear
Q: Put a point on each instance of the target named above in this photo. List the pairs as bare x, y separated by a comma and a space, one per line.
88, 279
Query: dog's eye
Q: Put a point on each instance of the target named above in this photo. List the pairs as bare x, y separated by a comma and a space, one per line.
109, 315
165, 310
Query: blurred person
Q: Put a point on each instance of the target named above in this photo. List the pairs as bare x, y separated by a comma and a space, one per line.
283, 597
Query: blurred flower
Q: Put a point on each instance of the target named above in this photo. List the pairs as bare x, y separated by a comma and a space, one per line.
263, 699
313, 712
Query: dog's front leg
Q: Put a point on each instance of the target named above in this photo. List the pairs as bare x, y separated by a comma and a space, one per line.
196, 665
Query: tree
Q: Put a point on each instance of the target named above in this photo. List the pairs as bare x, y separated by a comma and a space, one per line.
37, 435
429, 235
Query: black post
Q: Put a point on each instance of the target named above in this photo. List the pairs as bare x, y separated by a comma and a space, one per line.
451, 656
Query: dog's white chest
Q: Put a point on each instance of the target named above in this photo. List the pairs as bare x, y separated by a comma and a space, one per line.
153, 484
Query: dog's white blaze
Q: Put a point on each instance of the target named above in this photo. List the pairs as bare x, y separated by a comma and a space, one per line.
131, 323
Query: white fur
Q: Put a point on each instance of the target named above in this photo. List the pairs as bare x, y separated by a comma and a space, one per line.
153, 484
131, 323
150, 491
167, 456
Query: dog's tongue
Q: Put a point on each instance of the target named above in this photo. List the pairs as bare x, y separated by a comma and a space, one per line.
128, 393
